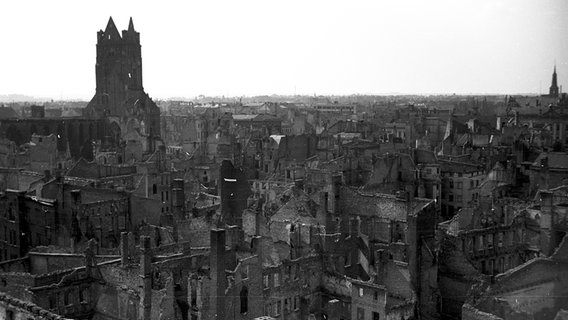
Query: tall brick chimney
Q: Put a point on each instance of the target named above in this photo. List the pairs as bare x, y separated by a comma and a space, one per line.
322, 211
354, 227
124, 252
545, 221
217, 273
381, 261
256, 244
178, 198
145, 312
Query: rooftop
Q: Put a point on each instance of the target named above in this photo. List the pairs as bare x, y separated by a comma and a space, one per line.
382, 205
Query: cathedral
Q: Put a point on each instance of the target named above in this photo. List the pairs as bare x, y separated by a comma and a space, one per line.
133, 118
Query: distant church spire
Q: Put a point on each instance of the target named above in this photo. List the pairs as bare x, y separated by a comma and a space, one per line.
554, 86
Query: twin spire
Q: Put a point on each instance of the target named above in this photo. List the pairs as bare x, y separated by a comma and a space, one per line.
112, 31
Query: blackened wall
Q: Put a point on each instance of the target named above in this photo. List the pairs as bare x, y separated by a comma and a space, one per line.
75, 133
234, 190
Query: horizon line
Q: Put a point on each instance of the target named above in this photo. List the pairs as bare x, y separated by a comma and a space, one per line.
39, 98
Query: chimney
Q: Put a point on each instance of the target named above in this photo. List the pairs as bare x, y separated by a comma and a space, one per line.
334, 309
234, 237
355, 226
546, 198
131, 245
322, 208
76, 196
90, 253
381, 261
256, 246
544, 171
157, 236
547, 235
146, 275
47, 175
124, 252
409, 200
217, 272
299, 183
178, 198
336, 191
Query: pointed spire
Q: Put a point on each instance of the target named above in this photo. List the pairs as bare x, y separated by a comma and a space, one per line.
110, 25
111, 31
130, 25
553, 91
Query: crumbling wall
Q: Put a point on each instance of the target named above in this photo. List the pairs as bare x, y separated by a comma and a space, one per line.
15, 284
195, 230
145, 209
116, 302
12, 308
470, 313
121, 276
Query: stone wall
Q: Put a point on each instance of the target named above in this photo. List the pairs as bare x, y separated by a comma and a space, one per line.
15, 309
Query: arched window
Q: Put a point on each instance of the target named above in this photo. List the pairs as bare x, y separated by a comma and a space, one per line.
244, 300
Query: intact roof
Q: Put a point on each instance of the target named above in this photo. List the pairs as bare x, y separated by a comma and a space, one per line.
7, 113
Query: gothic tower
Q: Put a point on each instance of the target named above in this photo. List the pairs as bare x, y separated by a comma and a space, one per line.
553, 92
119, 96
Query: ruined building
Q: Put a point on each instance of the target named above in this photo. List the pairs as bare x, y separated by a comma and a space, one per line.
120, 111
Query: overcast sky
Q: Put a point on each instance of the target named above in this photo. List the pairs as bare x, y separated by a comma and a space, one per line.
281, 47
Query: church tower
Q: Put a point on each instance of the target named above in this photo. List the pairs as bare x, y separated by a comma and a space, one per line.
553, 92
119, 96
119, 62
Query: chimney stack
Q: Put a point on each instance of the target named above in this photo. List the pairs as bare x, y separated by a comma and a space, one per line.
322, 211
124, 252
381, 261
146, 275
178, 198
355, 226
217, 272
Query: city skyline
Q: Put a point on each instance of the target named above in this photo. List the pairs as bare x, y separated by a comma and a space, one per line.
255, 48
